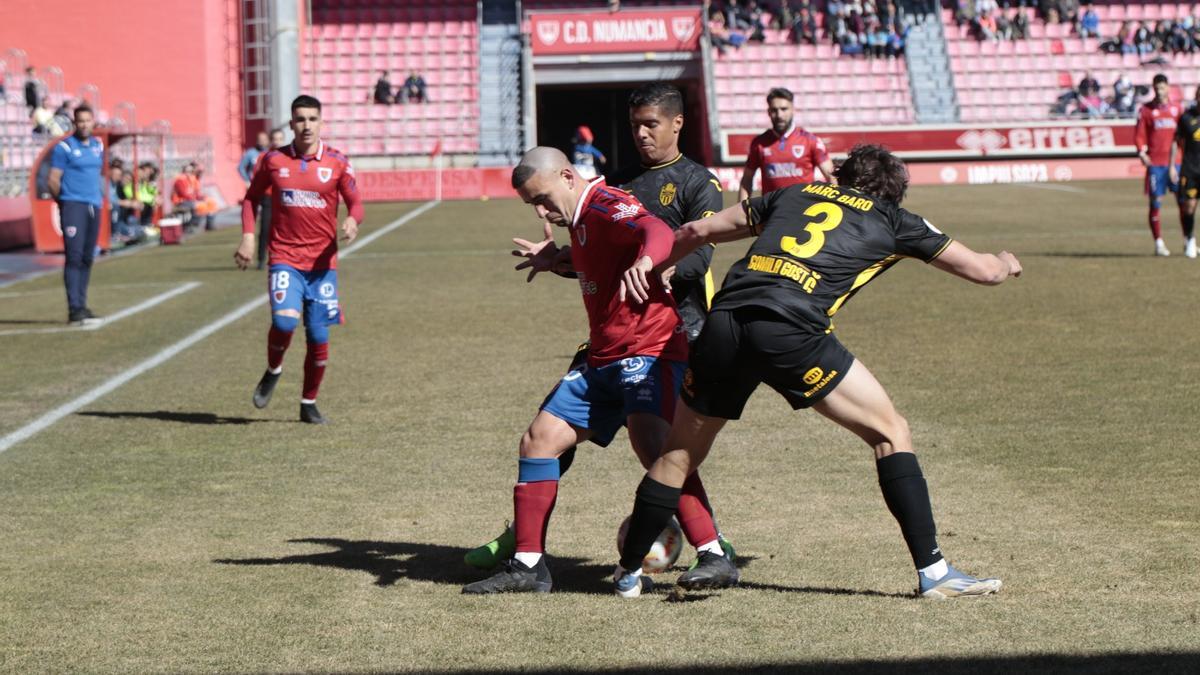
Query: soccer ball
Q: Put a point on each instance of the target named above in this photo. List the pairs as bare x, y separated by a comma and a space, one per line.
663, 553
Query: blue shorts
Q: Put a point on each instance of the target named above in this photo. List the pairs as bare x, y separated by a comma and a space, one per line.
313, 293
599, 399
1158, 180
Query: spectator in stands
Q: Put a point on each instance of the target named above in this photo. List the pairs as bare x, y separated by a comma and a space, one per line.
895, 42
3, 93
737, 17
985, 26
1090, 105
44, 121
1089, 85
251, 155
1180, 39
383, 93
1089, 24
1124, 40
804, 27
413, 89
1004, 29
720, 34
33, 90
877, 37
1143, 39
63, 115
964, 13
1124, 96
857, 26
1020, 24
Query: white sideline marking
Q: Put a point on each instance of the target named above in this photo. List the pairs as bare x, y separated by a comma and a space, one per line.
48, 419
91, 287
127, 312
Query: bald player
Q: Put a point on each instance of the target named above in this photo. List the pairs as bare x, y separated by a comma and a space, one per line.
634, 364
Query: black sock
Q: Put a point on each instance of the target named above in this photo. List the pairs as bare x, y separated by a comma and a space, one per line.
907, 498
1189, 225
652, 510
565, 460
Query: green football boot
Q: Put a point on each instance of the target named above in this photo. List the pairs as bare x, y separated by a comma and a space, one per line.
496, 551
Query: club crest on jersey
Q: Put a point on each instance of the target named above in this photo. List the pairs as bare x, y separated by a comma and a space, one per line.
302, 199
624, 211
797, 151
284, 173
667, 194
324, 173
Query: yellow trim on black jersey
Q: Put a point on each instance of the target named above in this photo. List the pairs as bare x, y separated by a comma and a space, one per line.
664, 164
709, 288
754, 230
861, 280
940, 251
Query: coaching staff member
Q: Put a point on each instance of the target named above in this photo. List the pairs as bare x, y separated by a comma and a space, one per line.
75, 183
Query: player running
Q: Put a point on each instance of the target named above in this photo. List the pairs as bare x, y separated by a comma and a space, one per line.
1154, 136
786, 154
675, 189
817, 245
1187, 136
305, 179
634, 363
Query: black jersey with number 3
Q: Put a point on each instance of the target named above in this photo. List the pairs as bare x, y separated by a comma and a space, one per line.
818, 245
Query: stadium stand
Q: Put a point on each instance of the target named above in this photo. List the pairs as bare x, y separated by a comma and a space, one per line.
1021, 80
853, 91
351, 41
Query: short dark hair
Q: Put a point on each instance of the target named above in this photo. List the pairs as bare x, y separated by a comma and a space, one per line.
660, 94
1161, 77
779, 92
521, 174
875, 171
83, 108
305, 101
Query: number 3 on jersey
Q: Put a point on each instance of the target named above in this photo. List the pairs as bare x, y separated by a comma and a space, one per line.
830, 217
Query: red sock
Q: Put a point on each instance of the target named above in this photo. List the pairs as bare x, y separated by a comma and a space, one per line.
694, 517
314, 369
532, 505
1155, 222
277, 344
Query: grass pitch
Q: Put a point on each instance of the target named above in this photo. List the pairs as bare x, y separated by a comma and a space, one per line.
170, 526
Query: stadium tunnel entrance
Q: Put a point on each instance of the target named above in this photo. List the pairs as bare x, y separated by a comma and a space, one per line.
570, 94
562, 109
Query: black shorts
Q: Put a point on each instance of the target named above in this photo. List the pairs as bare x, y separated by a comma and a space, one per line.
742, 347
1189, 184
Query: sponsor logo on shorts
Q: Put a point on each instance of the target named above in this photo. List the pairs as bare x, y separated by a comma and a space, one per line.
645, 394
813, 376
821, 384
326, 290
302, 199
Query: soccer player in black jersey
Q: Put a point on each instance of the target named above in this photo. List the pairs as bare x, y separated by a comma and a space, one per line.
1187, 136
677, 190
817, 245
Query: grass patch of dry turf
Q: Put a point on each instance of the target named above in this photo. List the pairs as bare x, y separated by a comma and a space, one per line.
170, 526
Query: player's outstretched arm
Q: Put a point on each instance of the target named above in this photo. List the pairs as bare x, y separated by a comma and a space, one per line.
543, 256
729, 224
981, 268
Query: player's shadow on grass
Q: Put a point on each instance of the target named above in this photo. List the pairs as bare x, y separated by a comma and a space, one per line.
206, 418
29, 322
824, 590
390, 561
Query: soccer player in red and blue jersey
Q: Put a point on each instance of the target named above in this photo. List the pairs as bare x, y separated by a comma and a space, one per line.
1153, 138
786, 154
634, 366
305, 180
